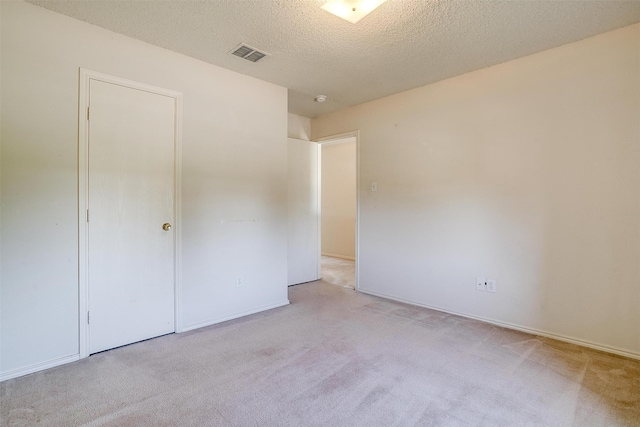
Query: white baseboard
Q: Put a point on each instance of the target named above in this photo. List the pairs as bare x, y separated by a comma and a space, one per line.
15, 373
350, 258
233, 316
559, 337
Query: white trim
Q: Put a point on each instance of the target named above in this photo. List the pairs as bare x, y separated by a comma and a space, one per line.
336, 139
350, 258
38, 367
338, 136
319, 204
83, 197
357, 260
559, 337
83, 171
234, 315
177, 192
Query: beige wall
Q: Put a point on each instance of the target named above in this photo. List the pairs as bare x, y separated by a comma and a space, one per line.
528, 173
338, 197
298, 127
234, 181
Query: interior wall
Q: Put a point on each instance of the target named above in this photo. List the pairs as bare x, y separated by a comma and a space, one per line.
338, 195
298, 127
528, 173
234, 201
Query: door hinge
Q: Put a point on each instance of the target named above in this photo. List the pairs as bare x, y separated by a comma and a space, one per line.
87, 113
87, 317
87, 215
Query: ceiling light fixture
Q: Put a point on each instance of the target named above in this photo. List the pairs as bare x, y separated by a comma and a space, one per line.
351, 10
320, 98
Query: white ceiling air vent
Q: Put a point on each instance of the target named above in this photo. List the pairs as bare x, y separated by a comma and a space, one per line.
247, 52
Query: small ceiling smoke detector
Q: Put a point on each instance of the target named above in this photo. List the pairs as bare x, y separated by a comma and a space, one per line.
320, 98
351, 10
247, 52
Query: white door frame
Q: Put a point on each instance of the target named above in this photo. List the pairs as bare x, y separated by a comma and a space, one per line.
328, 140
83, 192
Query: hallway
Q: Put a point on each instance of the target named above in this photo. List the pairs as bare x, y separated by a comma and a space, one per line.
338, 271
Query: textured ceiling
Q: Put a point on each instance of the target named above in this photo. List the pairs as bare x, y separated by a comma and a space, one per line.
402, 45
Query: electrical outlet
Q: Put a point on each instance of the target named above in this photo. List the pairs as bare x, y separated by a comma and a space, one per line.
238, 281
491, 285
481, 284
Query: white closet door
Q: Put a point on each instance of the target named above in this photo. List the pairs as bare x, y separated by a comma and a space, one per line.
303, 211
131, 197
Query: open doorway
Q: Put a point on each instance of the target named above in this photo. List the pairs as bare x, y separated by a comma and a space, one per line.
338, 210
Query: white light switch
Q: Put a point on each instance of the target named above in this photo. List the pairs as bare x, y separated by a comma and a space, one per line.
374, 186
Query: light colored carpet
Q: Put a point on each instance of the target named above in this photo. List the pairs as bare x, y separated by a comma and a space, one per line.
337, 271
335, 357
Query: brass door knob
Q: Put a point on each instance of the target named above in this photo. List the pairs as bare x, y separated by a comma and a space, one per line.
166, 226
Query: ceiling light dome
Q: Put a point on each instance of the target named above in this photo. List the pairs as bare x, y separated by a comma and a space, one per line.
351, 10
